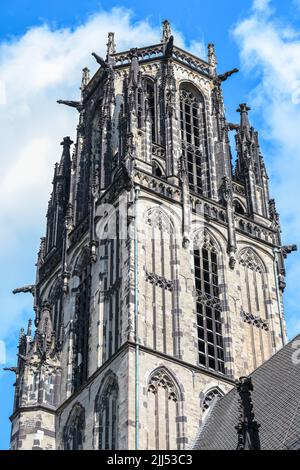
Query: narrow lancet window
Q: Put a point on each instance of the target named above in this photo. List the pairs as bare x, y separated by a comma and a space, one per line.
194, 139
208, 307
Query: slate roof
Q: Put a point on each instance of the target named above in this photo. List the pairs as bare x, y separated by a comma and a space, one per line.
276, 405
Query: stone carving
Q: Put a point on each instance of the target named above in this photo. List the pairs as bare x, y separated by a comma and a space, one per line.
161, 378
159, 281
254, 320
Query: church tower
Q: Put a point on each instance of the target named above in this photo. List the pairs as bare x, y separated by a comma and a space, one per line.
160, 278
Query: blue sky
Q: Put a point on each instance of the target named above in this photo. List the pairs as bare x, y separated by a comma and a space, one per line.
44, 45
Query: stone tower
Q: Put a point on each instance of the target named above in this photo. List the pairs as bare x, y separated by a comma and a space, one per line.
160, 278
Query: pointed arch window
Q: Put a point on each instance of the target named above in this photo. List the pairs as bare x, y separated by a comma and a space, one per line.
238, 207
73, 435
157, 170
56, 302
252, 284
82, 321
163, 404
161, 297
210, 396
208, 306
139, 107
106, 406
194, 138
146, 104
150, 95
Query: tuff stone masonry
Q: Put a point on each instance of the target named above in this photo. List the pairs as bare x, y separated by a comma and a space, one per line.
160, 278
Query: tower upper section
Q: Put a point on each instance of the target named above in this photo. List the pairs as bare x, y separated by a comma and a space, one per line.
149, 108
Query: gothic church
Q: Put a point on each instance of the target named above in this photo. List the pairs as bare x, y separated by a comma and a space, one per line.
160, 278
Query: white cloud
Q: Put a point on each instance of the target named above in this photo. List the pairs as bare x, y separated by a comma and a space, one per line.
261, 5
198, 48
273, 56
35, 70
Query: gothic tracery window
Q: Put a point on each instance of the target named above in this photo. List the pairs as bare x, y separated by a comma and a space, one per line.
106, 409
194, 138
208, 306
163, 405
73, 434
146, 103
254, 298
140, 107
238, 208
110, 251
150, 95
252, 284
157, 170
82, 321
55, 299
209, 397
161, 299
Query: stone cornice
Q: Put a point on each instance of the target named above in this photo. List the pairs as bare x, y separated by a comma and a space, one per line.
25, 409
131, 346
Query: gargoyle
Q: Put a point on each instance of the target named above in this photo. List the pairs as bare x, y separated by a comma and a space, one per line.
100, 61
73, 104
224, 76
232, 127
25, 289
11, 369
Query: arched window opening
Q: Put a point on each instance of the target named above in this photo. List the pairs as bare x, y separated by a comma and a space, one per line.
57, 317
55, 299
252, 284
150, 95
163, 404
140, 106
107, 415
111, 320
74, 429
210, 397
208, 307
156, 170
194, 139
82, 323
35, 383
161, 296
238, 208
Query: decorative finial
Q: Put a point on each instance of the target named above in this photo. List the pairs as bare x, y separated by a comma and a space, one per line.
65, 161
245, 124
85, 78
134, 67
247, 428
111, 45
243, 108
166, 34
67, 142
29, 327
212, 59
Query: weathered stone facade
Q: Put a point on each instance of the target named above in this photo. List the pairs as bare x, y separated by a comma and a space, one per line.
161, 275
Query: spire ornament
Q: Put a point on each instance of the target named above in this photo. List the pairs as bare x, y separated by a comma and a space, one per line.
85, 78
111, 45
247, 428
166, 33
212, 59
245, 124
